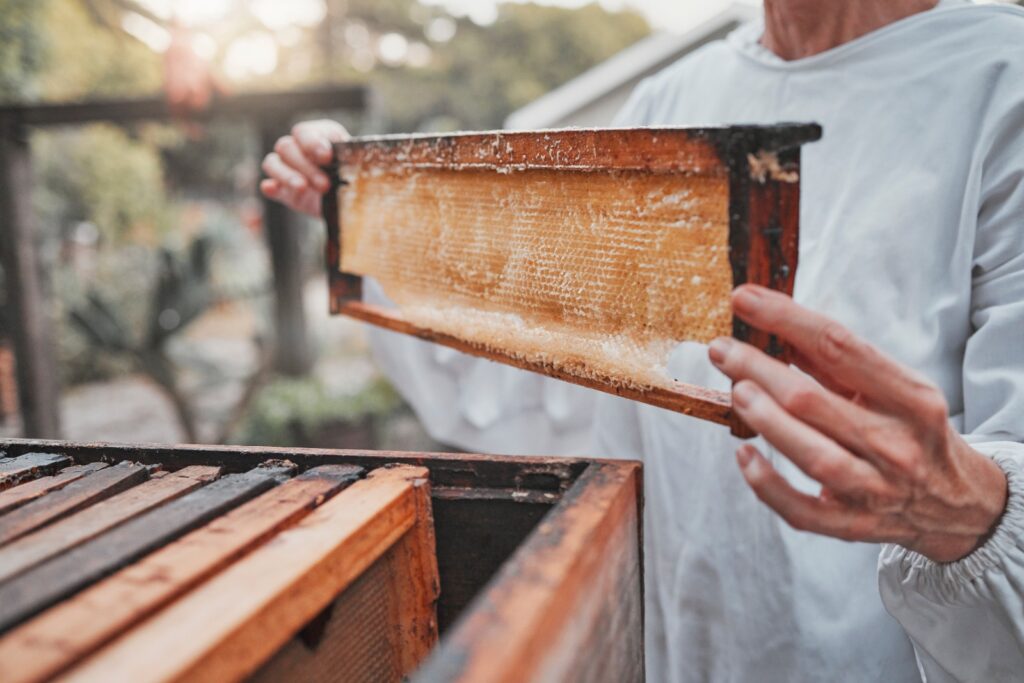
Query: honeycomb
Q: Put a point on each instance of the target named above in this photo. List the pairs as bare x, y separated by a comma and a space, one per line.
598, 273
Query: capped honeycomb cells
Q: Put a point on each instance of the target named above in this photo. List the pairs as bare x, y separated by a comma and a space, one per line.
596, 273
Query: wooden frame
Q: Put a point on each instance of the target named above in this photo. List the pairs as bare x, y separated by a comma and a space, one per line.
762, 164
536, 559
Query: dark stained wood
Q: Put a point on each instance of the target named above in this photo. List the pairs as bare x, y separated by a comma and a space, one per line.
14, 471
31, 592
31, 325
32, 549
224, 629
764, 236
73, 497
447, 470
241, 106
542, 614
19, 495
64, 635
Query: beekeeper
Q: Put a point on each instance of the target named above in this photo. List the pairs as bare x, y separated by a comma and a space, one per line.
904, 424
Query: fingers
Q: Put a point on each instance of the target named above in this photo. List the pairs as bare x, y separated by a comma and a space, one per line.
291, 154
820, 457
801, 511
276, 169
305, 201
851, 362
315, 138
804, 400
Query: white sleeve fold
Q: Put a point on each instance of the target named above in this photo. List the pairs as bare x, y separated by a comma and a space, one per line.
966, 618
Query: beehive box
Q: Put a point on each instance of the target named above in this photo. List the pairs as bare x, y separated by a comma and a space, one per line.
156, 563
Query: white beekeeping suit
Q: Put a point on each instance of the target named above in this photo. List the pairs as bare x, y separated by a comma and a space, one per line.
478, 405
912, 235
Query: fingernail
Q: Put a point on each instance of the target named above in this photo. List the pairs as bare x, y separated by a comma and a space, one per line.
743, 394
746, 299
719, 348
325, 149
744, 455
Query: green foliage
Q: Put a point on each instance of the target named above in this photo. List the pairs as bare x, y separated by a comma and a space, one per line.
485, 72
101, 175
118, 278
287, 407
21, 47
86, 58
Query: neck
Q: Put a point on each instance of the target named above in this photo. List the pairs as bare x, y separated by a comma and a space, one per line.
794, 29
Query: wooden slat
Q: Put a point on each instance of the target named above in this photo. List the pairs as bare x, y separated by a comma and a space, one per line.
225, 628
59, 537
62, 576
64, 635
29, 466
23, 493
73, 497
689, 399
551, 600
517, 473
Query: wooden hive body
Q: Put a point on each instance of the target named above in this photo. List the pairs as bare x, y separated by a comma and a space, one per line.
152, 563
585, 255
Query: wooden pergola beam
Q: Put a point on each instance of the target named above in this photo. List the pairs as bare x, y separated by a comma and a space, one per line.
32, 329
251, 107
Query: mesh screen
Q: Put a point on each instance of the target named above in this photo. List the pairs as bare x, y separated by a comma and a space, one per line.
597, 273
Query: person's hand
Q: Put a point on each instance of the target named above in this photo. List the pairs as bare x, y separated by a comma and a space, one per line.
873, 433
293, 170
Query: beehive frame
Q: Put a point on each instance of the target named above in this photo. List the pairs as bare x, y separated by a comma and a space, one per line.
759, 166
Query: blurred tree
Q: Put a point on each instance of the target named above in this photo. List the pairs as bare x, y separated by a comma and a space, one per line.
87, 56
453, 73
101, 175
21, 47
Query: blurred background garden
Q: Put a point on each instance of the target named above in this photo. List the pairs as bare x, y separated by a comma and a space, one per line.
148, 236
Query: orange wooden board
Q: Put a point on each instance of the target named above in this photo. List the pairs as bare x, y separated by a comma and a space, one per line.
64, 635
232, 623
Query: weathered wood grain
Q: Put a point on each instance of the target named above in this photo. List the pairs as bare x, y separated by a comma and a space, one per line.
23, 493
31, 592
544, 610
65, 634
29, 466
228, 626
519, 474
72, 498
32, 549
379, 629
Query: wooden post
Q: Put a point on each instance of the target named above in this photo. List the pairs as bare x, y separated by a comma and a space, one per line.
32, 329
292, 352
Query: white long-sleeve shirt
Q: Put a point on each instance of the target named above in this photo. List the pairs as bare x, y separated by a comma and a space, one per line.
912, 235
